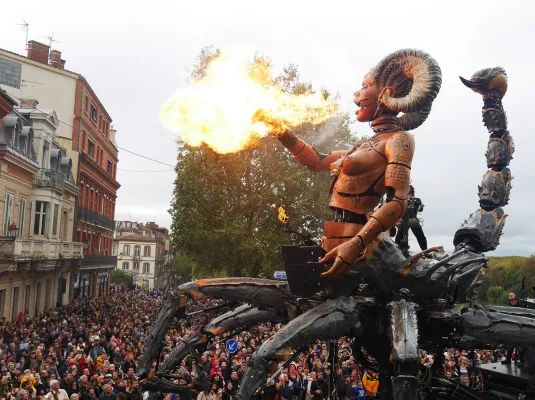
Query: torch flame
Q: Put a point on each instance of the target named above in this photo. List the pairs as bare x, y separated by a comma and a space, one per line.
235, 102
282, 215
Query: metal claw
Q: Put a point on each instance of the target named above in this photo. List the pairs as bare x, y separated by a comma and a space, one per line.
474, 85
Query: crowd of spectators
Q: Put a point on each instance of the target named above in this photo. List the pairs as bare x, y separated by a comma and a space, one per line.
83, 351
89, 350
462, 365
306, 378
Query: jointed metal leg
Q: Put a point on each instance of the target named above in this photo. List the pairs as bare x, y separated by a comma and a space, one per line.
271, 294
332, 319
264, 292
155, 384
240, 318
494, 325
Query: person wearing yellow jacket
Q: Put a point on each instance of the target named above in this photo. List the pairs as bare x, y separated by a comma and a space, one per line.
371, 383
28, 377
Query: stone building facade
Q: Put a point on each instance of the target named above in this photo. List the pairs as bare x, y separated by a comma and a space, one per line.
38, 257
142, 251
86, 134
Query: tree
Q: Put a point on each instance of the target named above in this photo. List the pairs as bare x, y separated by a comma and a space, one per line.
507, 273
184, 266
119, 276
224, 207
494, 293
488, 282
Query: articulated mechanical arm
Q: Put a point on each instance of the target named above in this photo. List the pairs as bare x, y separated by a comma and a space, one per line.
482, 230
306, 155
238, 319
272, 297
495, 325
329, 320
157, 384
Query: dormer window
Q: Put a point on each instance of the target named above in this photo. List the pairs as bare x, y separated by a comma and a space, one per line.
23, 140
65, 166
11, 126
55, 159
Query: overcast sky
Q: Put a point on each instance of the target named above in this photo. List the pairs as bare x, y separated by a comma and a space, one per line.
136, 57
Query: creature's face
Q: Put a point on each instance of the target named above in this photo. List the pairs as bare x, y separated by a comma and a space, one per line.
367, 100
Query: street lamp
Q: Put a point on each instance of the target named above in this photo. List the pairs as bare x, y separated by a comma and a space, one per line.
120, 256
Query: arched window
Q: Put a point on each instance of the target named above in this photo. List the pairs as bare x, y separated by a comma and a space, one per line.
146, 268
146, 251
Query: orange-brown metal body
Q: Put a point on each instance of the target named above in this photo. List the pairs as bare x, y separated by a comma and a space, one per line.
360, 179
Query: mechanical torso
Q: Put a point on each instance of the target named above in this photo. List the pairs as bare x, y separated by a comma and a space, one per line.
360, 183
358, 186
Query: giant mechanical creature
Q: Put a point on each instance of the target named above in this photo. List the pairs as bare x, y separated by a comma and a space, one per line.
364, 287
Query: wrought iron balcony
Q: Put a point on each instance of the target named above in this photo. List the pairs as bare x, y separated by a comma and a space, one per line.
48, 178
94, 218
101, 261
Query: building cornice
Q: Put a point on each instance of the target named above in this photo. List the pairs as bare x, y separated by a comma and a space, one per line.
18, 57
86, 83
14, 157
99, 170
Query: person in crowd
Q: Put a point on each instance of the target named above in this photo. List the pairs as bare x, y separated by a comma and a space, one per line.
359, 392
320, 387
55, 392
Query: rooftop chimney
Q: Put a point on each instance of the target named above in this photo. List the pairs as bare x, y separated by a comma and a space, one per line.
113, 132
38, 51
55, 59
28, 103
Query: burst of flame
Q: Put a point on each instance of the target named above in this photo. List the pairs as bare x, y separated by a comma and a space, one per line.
235, 102
282, 215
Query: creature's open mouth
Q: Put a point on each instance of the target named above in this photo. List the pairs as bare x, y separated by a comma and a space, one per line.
364, 104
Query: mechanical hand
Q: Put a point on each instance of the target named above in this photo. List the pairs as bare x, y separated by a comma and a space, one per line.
344, 256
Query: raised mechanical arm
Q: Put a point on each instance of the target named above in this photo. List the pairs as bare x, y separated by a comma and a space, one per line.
306, 155
399, 151
482, 230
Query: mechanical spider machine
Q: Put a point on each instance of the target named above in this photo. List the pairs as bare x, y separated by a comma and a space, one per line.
389, 304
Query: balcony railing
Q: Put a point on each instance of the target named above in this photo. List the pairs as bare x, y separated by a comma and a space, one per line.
48, 178
94, 218
94, 260
42, 249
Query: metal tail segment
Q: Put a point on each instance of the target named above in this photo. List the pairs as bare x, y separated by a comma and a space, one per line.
482, 230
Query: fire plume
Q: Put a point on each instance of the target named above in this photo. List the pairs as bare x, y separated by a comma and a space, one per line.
282, 214
236, 101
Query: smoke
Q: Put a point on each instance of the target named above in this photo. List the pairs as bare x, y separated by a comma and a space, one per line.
330, 127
